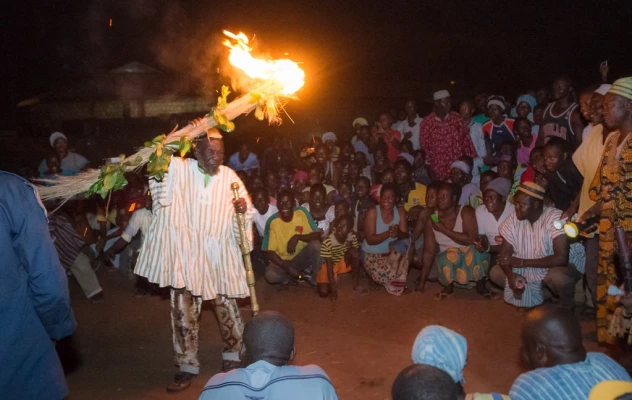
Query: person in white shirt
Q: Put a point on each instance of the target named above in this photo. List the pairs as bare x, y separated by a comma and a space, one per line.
491, 214
244, 160
409, 127
264, 210
268, 343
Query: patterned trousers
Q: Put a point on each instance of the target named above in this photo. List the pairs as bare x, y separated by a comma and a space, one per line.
185, 324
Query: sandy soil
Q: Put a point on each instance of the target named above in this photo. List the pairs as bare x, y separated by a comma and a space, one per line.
362, 343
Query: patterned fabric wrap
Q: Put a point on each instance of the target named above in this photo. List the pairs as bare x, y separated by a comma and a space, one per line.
462, 265
391, 269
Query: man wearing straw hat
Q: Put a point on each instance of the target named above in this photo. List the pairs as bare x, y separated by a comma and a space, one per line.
534, 256
192, 246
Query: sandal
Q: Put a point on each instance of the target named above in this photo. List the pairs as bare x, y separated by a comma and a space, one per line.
181, 381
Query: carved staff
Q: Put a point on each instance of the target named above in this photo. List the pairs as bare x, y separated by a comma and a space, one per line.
245, 251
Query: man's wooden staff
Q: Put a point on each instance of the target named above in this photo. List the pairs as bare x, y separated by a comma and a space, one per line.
245, 251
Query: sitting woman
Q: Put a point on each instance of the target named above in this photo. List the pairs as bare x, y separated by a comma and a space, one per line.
322, 213
385, 257
453, 228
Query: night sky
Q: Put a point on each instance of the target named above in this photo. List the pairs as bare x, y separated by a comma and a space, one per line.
349, 49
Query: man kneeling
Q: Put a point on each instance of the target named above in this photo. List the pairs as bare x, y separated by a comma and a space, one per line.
268, 346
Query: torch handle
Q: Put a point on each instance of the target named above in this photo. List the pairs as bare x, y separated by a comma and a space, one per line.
244, 245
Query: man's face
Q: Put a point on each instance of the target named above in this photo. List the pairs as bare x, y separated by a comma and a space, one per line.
596, 108
388, 177
523, 204
536, 159
354, 170
285, 204
363, 133
257, 183
466, 110
505, 170
560, 88
481, 102
402, 175
443, 106
553, 158
209, 154
322, 155
615, 110
457, 176
495, 112
244, 151
537, 115
317, 199
485, 179
61, 146
361, 188
410, 108
493, 201
313, 176
260, 202
445, 199
386, 122
523, 109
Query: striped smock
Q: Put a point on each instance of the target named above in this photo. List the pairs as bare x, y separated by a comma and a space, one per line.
193, 239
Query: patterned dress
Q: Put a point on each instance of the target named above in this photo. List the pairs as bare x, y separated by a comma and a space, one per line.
444, 141
611, 186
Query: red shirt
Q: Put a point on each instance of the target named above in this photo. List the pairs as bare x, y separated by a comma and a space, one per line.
444, 142
393, 153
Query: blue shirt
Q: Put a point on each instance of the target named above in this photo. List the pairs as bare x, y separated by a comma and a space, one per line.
71, 165
251, 163
35, 306
264, 381
567, 381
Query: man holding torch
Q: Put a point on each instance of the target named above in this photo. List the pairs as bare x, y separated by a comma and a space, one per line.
193, 246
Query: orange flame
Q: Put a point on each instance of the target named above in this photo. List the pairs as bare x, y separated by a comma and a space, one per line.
284, 71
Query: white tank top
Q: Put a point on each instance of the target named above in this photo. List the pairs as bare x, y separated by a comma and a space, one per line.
444, 241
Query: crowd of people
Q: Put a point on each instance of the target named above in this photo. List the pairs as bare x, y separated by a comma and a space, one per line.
516, 201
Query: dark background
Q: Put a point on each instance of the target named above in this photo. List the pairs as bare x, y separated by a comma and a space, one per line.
360, 57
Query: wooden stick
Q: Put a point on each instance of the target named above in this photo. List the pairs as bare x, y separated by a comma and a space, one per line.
245, 251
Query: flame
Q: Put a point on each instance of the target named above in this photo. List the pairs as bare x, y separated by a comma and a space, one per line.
284, 71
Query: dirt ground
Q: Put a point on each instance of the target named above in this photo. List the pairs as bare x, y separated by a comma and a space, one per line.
124, 342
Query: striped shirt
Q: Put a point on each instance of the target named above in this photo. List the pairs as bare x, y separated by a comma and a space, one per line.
66, 239
335, 250
530, 241
193, 239
567, 381
264, 381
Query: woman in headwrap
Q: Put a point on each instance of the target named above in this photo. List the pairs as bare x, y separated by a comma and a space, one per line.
525, 106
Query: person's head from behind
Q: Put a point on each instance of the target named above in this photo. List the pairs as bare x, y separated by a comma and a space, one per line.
268, 336
403, 172
522, 129
317, 196
496, 108
386, 121
342, 226
423, 382
314, 174
529, 201
487, 177
562, 88
362, 187
341, 208
442, 348
388, 176
53, 163
432, 191
447, 196
209, 151
551, 335
261, 200
466, 109
555, 152
388, 196
285, 205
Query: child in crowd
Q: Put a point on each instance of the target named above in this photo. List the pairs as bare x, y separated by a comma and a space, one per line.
388, 176
381, 165
476, 200
272, 184
341, 208
564, 180
507, 169
300, 182
362, 203
322, 213
420, 170
315, 177
340, 254
365, 168
536, 165
527, 139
